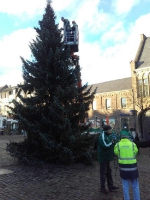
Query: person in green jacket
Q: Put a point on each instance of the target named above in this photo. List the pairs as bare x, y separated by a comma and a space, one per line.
114, 136
127, 133
105, 155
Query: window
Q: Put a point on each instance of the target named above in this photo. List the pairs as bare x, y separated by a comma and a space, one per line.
108, 104
94, 105
10, 92
145, 86
110, 121
123, 102
140, 88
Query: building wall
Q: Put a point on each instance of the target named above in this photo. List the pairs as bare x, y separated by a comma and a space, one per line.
115, 112
6, 97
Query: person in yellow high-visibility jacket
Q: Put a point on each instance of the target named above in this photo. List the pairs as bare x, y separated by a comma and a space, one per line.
126, 151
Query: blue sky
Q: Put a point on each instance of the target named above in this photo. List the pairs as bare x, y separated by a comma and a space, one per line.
109, 33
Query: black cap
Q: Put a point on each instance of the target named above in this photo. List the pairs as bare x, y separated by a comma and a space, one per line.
106, 127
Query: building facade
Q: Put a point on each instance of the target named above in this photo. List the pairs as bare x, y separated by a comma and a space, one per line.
126, 102
7, 94
113, 104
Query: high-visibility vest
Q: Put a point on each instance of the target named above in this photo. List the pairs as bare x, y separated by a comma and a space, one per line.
126, 152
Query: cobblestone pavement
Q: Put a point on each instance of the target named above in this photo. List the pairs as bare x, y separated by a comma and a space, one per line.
50, 182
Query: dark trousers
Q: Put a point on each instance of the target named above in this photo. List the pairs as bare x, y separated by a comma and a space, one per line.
105, 174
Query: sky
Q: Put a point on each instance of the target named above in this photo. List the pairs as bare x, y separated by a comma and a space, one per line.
109, 35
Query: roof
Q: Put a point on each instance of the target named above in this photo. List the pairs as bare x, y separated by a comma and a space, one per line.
9, 88
114, 85
3, 88
142, 58
6, 88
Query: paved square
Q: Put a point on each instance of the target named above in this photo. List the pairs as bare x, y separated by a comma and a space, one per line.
51, 182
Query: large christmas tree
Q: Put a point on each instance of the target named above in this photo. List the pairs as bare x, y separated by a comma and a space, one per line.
53, 108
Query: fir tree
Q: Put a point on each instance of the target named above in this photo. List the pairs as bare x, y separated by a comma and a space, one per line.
53, 107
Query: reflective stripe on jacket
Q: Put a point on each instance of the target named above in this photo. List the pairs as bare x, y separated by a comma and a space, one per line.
105, 148
126, 152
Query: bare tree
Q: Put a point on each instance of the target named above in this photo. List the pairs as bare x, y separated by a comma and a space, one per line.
143, 105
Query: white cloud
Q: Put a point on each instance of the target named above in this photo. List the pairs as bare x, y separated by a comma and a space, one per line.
21, 7
12, 78
124, 6
141, 25
29, 8
11, 48
100, 64
90, 19
61, 5
116, 33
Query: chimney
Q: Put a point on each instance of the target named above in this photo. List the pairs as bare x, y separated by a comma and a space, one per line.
143, 37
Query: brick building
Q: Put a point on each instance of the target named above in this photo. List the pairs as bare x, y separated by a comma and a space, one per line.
126, 102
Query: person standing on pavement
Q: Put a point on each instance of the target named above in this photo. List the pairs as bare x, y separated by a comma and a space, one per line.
127, 133
114, 136
126, 151
105, 155
136, 137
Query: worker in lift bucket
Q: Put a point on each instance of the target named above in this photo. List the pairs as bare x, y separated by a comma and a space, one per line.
67, 27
